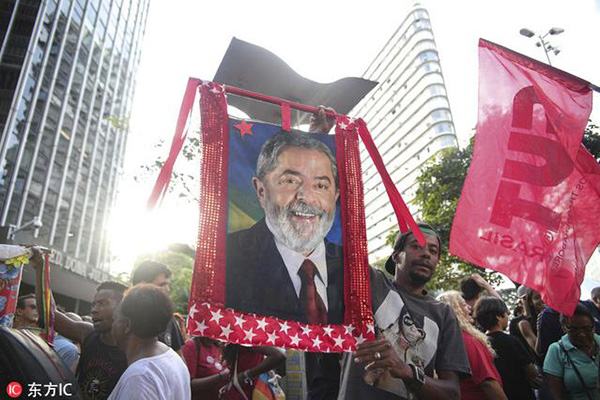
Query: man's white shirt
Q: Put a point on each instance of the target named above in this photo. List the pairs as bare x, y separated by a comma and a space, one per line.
293, 261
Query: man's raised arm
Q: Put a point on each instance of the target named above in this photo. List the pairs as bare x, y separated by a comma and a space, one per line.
74, 330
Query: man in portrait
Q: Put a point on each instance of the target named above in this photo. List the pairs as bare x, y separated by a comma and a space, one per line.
283, 266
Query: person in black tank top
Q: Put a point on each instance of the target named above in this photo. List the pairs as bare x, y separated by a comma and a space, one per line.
99, 368
101, 363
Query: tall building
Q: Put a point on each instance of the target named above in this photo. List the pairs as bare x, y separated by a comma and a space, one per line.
409, 117
67, 76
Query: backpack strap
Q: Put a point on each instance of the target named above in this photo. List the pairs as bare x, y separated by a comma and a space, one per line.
198, 346
562, 348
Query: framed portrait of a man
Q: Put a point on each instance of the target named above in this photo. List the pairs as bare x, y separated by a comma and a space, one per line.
281, 256
284, 253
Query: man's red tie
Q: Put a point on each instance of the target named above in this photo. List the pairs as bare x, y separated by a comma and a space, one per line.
312, 304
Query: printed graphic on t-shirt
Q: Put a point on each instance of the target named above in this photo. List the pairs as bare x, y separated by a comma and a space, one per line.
99, 379
414, 345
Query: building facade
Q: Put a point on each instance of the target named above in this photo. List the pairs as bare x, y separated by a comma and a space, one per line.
67, 76
409, 117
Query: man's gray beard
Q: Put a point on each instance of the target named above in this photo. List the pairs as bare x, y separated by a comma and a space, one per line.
302, 239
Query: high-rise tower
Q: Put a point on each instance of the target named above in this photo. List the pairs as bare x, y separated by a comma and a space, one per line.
409, 117
67, 76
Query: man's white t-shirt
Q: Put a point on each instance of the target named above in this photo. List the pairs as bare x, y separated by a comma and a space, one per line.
160, 377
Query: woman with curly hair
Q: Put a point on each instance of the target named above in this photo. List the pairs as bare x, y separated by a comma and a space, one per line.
485, 381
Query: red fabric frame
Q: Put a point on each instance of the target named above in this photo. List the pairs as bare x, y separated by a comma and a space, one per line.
207, 315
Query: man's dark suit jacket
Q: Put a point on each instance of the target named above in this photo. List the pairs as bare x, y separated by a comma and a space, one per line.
257, 281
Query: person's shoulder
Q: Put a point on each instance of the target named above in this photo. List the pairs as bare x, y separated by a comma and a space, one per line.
170, 356
258, 228
380, 282
92, 339
468, 338
377, 275
504, 338
247, 239
556, 346
438, 306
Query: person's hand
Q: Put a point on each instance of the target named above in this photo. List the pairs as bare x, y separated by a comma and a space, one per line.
225, 374
321, 122
479, 280
536, 383
37, 260
244, 379
381, 354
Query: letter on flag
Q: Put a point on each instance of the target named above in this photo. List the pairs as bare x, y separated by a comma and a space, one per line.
531, 199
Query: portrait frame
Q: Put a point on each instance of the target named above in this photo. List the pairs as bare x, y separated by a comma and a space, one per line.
208, 315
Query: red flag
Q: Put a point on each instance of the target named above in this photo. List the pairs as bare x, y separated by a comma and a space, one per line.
530, 199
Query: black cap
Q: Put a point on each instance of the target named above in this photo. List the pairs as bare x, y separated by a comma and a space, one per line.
390, 265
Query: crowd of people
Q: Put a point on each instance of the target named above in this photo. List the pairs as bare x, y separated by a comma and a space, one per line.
461, 344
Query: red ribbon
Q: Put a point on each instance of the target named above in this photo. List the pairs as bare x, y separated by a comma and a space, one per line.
286, 119
405, 220
164, 177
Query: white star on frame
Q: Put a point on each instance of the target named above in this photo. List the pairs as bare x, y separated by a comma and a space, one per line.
216, 316
262, 324
226, 331
272, 337
284, 327
295, 340
239, 321
249, 335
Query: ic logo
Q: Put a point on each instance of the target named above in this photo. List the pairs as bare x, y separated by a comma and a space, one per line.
14, 389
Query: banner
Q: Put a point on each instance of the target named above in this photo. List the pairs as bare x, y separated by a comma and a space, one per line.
281, 257
12, 260
528, 205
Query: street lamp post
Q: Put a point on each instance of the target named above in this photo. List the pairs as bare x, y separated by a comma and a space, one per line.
545, 44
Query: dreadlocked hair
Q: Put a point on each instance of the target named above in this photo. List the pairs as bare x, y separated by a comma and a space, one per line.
454, 300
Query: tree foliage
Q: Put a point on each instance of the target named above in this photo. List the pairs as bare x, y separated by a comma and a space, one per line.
179, 258
591, 139
439, 188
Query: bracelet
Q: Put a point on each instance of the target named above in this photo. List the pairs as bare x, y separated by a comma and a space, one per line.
418, 380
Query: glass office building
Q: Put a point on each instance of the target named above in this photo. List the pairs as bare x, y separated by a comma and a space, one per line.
67, 76
409, 117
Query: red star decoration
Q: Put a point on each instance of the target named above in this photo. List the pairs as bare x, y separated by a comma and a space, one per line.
244, 128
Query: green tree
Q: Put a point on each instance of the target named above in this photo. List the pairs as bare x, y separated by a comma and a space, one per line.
179, 258
439, 188
591, 139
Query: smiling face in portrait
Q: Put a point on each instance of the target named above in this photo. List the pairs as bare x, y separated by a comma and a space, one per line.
299, 197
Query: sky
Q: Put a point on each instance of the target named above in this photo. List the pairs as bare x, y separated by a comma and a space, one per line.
323, 41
